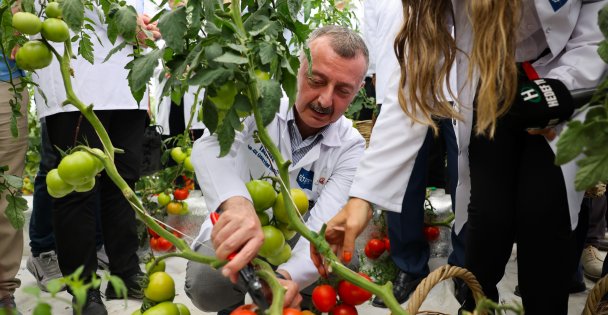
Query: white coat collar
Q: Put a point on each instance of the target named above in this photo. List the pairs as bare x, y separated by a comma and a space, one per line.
331, 137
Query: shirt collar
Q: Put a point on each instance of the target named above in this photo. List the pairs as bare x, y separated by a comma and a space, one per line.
330, 134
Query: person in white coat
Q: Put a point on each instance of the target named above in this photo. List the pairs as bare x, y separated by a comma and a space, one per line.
324, 148
507, 179
410, 250
105, 86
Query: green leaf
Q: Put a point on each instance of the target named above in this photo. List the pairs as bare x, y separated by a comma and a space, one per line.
290, 86
267, 52
124, 19
238, 48
569, 145
196, 12
28, 6
85, 48
173, 26
73, 13
593, 169
119, 286
13, 181
55, 285
32, 290
229, 57
210, 115
225, 137
270, 99
14, 211
116, 49
207, 77
142, 69
603, 20
602, 50
241, 104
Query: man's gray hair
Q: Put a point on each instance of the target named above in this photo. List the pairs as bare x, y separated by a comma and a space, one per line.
344, 41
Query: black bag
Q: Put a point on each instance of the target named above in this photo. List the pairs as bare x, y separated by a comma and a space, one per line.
151, 149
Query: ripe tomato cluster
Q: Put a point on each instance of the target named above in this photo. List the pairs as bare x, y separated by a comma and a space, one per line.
276, 230
76, 172
159, 243
325, 298
36, 54
250, 309
375, 247
176, 205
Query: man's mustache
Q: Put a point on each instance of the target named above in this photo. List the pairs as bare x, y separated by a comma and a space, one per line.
318, 108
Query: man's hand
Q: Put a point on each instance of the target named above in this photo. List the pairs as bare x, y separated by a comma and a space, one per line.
14, 52
144, 27
549, 133
238, 230
342, 230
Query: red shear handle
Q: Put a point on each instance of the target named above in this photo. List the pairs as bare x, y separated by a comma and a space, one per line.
214, 216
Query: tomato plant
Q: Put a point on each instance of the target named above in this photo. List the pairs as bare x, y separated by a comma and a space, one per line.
160, 266
180, 194
53, 10
273, 241
175, 208
300, 199
282, 257
27, 23
324, 297
160, 244
431, 233
225, 95
352, 294
183, 309
188, 164
163, 199
152, 233
264, 218
77, 168
262, 193
55, 30
291, 311
178, 155
87, 186
33, 55
161, 287
344, 309
387, 244
247, 309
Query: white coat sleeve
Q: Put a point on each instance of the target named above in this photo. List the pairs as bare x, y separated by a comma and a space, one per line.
386, 166
332, 198
217, 176
579, 64
370, 25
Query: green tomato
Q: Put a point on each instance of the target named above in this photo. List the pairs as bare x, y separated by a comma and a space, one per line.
56, 186
160, 266
53, 10
262, 193
55, 30
287, 232
178, 155
163, 199
42, 309
136, 312
183, 309
98, 162
299, 197
188, 164
282, 257
273, 241
86, 186
33, 55
77, 168
264, 218
164, 308
27, 23
161, 287
225, 95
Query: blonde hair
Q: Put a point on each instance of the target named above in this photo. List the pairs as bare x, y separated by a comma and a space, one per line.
426, 51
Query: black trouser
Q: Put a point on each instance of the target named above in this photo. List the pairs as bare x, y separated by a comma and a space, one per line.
518, 195
73, 216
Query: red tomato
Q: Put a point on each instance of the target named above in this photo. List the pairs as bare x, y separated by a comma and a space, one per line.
387, 244
160, 244
247, 309
344, 309
352, 294
431, 233
374, 248
291, 311
152, 233
180, 194
324, 297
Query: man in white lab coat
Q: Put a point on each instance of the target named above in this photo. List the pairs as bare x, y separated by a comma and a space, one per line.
324, 148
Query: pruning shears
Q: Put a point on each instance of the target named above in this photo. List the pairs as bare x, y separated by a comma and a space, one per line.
252, 281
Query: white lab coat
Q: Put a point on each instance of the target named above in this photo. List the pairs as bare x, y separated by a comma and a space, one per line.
163, 107
572, 35
103, 84
325, 173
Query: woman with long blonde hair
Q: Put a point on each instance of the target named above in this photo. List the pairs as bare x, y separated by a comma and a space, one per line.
516, 62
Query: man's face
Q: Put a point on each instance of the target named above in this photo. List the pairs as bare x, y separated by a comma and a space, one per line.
325, 95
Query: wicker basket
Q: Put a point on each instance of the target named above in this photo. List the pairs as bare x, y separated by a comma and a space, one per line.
365, 128
594, 306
